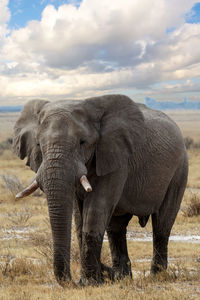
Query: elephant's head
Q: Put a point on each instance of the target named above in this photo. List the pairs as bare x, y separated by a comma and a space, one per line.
63, 141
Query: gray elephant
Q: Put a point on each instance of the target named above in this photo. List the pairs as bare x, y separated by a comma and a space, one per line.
109, 158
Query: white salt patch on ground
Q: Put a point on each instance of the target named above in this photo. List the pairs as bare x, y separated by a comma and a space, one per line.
23, 233
175, 238
142, 237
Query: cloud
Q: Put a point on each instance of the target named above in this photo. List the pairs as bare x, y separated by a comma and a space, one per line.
100, 46
98, 30
5, 14
4, 18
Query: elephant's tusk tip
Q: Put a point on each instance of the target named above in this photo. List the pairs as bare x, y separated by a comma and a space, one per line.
85, 183
19, 196
89, 189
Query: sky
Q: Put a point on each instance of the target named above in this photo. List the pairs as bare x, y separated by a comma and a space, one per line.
77, 49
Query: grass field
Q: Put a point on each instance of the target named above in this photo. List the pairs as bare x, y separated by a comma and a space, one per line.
26, 255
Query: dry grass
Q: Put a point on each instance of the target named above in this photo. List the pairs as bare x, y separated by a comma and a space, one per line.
25, 280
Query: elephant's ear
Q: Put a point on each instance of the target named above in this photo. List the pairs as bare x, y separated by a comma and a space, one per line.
121, 131
25, 130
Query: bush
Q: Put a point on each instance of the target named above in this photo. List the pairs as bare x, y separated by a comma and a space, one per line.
190, 143
12, 183
6, 145
193, 208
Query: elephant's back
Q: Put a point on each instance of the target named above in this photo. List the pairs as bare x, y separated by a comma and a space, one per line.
161, 128
154, 115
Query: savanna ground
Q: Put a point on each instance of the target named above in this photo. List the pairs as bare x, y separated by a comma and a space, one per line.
25, 240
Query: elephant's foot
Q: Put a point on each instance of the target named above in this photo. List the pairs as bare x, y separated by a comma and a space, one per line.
64, 280
92, 276
121, 275
91, 281
94, 279
112, 274
157, 268
122, 269
62, 276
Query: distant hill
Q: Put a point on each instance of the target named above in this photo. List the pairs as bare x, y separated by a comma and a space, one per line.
164, 105
6, 109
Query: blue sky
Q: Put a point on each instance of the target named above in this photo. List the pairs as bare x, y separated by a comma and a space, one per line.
76, 49
23, 11
194, 15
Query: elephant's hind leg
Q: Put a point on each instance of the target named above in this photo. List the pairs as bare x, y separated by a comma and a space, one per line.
117, 238
163, 221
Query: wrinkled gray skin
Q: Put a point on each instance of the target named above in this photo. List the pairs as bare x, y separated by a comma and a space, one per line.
135, 161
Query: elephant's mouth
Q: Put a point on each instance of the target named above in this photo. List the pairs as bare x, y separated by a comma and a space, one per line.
34, 185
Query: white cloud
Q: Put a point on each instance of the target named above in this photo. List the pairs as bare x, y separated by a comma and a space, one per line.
4, 18
70, 36
100, 46
5, 15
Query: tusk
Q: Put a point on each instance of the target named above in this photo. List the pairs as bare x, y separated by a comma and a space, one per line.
85, 183
27, 191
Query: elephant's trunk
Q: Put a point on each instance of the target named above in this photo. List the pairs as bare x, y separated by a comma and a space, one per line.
56, 177
58, 184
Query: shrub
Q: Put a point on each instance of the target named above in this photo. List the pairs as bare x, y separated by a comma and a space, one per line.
12, 183
190, 143
193, 208
5, 145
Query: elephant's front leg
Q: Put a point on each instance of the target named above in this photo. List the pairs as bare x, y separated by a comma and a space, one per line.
94, 224
90, 258
98, 208
117, 238
78, 211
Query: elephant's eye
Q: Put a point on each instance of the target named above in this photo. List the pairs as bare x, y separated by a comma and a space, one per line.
82, 141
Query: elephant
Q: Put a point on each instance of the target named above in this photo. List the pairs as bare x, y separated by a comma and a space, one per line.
104, 159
